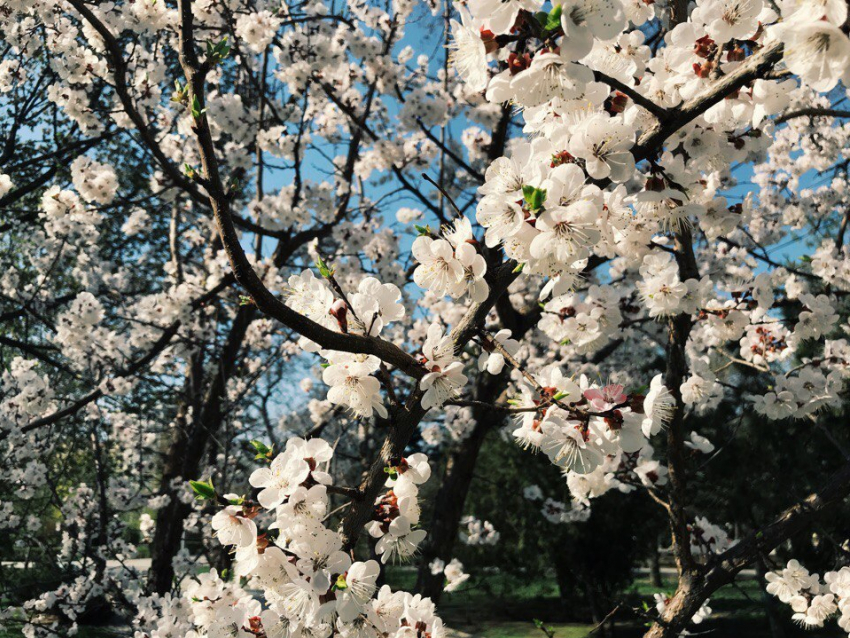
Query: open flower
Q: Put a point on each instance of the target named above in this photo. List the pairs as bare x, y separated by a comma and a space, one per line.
582, 20
438, 269
817, 51
502, 14
352, 385
356, 588
442, 384
564, 443
604, 143
469, 54
233, 528
658, 407
501, 217
279, 480
400, 542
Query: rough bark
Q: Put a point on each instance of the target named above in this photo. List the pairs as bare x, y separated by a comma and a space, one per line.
451, 497
183, 459
723, 569
655, 568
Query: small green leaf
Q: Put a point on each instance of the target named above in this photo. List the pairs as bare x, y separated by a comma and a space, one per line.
203, 489
559, 395
323, 268
805, 258
197, 111
518, 268
553, 20
533, 196
264, 452
422, 230
218, 52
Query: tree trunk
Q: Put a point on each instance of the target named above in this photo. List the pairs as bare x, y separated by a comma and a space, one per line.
451, 498
655, 568
769, 602
695, 587
183, 459
454, 488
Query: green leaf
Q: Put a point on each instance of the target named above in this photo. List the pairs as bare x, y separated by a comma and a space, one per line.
559, 395
553, 20
323, 268
197, 111
534, 197
203, 489
805, 258
422, 230
264, 452
218, 52
519, 268
261, 447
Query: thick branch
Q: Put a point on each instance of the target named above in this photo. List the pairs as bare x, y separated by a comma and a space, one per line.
753, 68
812, 112
726, 566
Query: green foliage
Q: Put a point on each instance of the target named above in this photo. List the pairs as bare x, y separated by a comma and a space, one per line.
324, 270
216, 53
534, 197
204, 490
264, 452
581, 565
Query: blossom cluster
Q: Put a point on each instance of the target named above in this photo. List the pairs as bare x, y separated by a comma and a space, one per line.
813, 599
282, 548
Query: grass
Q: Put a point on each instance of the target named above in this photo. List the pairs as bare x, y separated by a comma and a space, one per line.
495, 606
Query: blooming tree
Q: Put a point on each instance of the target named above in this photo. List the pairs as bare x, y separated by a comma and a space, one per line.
205, 199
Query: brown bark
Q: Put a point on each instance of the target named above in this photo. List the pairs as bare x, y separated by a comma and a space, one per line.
723, 569
655, 568
451, 498
184, 456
